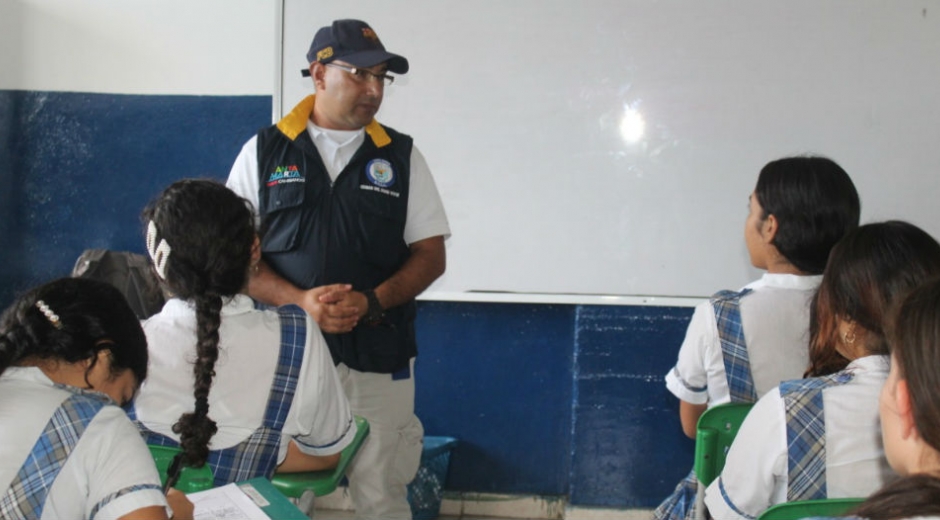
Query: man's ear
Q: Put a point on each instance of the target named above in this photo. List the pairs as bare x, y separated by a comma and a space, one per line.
317, 74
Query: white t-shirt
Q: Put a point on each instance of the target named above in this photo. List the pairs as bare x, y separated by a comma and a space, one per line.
425, 217
755, 474
775, 319
249, 343
110, 457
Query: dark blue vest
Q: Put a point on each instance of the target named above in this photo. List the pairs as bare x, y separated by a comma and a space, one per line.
315, 232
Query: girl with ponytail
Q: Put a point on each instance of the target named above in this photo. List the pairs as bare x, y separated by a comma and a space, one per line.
247, 391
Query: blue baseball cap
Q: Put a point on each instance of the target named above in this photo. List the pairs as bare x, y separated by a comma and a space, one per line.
354, 42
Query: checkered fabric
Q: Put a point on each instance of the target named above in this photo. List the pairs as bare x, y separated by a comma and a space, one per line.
727, 306
680, 505
27, 494
806, 434
257, 455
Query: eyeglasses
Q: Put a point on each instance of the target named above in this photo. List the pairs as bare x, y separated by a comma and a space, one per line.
363, 75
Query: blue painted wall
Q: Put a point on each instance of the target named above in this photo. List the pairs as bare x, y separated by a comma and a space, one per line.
546, 399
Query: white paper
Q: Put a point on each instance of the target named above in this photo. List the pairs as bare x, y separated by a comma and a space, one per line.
226, 502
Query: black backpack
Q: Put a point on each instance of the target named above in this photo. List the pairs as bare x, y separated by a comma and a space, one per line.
129, 272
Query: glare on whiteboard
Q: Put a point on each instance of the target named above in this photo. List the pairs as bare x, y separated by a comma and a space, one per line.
632, 126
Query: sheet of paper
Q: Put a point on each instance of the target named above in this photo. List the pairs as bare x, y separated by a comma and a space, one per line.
227, 502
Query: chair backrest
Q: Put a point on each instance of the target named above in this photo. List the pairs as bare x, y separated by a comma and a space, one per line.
716, 430
810, 508
191, 479
322, 482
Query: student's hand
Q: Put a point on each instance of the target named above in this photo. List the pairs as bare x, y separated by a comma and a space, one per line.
331, 308
181, 506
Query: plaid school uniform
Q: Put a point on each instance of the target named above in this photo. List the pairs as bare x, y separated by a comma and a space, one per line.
806, 434
257, 455
27, 494
680, 505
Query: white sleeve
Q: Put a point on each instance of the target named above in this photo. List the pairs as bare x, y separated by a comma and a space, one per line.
323, 421
688, 380
426, 217
755, 473
243, 177
122, 477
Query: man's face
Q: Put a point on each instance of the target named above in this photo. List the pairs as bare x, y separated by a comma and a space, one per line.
346, 101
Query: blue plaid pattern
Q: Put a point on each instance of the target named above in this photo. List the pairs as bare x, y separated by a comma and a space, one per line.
257, 455
680, 505
26, 496
806, 434
727, 306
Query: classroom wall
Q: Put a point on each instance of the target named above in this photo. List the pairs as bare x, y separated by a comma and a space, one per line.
546, 399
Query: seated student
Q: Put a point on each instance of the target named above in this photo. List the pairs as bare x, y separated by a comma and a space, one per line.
910, 412
72, 352
250, 391
741, 344
818, 437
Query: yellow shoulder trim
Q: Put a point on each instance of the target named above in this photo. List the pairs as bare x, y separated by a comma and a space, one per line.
294, 123
378, 134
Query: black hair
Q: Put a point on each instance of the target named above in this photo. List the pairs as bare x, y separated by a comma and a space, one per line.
815, 204
907, 497
210, 231
81, 318
869, 272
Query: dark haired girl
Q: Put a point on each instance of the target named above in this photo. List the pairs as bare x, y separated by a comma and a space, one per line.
71, 352
249, 391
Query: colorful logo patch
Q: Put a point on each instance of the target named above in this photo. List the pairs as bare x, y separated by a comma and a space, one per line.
380, 173
323, 54
284, 175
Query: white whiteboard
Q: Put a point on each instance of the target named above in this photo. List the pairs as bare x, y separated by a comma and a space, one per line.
517, 106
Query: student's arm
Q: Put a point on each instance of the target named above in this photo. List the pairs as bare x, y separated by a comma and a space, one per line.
181, 506
689, 414
297, 461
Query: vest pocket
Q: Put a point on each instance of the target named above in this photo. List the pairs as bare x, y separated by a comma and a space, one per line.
382, 235
281, 221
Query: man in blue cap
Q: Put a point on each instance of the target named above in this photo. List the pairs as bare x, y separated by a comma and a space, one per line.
353, 230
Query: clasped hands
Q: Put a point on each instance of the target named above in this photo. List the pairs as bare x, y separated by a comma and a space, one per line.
336, 308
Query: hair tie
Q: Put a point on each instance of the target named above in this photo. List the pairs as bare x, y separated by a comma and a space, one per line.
159, 253
51, 316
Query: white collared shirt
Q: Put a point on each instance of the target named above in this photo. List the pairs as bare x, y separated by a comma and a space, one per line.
755, 475
775, 319
249, 343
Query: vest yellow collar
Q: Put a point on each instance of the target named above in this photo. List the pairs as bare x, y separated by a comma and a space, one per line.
294, 123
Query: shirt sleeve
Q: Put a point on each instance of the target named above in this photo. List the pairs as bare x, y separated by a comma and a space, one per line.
243, 177
688, 380
324, 421
122, 477
755, 473
426, 217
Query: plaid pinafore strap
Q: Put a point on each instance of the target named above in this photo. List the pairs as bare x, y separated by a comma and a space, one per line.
727, 306
806, 434
257, 455
26, 496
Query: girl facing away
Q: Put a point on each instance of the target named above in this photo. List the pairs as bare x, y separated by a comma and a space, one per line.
71, 354
248, 391
740, 344
818, 437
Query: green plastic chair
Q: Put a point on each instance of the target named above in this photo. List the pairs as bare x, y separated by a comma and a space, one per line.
714, 434
191, 479
810, 508
306, 485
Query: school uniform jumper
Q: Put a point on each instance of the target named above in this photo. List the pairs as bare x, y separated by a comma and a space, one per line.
807, 439
69, 453
737, 346
274, 382
343, 207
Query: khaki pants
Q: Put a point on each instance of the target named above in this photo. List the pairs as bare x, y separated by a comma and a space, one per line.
389, 457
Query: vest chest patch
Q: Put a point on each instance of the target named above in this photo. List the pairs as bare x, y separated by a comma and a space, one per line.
381, 175
285, 175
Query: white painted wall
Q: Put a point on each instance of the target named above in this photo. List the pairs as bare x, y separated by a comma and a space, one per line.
199, 47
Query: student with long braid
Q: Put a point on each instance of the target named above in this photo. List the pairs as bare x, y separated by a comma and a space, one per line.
72, 352
247, 391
